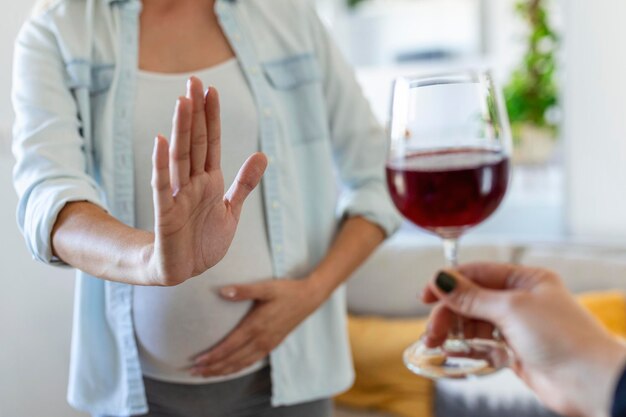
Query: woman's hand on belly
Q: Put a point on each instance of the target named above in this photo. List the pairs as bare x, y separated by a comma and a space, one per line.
280, 306
194, 221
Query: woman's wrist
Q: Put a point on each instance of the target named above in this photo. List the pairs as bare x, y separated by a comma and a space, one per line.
319, 287
613, 362
147, 265
356, 240
135, 259
599, 374
88, 238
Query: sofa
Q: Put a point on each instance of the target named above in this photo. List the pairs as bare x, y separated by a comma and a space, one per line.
388, 284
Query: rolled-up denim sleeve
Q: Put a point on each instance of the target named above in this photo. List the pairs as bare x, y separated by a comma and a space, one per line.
357, 138
51, 163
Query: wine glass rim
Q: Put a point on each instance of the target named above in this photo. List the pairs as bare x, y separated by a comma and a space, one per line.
468, 76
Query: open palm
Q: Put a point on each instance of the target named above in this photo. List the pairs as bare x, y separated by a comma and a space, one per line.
194, 221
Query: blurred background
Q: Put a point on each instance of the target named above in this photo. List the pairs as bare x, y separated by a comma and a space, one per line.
559, 63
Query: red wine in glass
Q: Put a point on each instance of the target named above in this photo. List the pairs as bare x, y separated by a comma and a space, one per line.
447, 171
448, 191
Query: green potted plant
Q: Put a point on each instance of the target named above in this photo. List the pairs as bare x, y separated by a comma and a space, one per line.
532, 94
353, 3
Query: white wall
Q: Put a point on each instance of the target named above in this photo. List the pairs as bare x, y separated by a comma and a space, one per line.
504, 33
13, 14
595, 126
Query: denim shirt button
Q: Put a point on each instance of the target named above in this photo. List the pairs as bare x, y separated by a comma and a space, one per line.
275, 205
254, 70
267, 112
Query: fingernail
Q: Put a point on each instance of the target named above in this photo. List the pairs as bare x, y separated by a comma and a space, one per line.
189, 84
445, 282
228, 292
200, 361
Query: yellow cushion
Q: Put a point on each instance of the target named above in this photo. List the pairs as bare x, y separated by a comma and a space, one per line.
609, 307
383, 383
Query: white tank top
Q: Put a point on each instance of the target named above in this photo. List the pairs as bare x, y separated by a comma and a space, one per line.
172, 325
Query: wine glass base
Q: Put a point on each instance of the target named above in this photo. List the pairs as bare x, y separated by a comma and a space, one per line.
458, 359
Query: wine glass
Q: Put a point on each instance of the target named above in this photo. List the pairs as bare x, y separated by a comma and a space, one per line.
447, 171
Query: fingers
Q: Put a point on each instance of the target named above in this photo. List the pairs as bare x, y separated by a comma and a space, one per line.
214, 129
161, 186
239, 338
262, 291
246, 356
242, 347
181, 144
489, 275
466, 298
247, 344
439, 324
442, 320
509, 277
500, 277
247, 179
195, 94
428, 296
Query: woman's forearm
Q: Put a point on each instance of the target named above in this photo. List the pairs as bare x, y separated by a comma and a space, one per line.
355, 242
87, 238
597, 370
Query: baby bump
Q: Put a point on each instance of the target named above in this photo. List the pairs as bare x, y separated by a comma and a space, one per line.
174, 324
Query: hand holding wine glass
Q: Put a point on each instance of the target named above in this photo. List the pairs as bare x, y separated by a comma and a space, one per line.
447, 171
556, 341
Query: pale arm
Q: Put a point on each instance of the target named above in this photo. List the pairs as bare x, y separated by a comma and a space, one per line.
355, 242
194, 221
89, 239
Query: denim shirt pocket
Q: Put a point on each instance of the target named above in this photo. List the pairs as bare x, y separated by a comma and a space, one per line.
97, 78
297, 80
101, 78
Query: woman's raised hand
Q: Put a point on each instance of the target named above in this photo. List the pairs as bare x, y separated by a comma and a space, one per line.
194, 221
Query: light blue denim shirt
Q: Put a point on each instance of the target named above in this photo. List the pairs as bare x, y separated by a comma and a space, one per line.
74, 81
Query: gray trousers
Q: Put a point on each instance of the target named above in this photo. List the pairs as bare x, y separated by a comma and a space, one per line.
248, 396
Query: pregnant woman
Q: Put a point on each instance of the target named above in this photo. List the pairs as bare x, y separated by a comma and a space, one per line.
186, 304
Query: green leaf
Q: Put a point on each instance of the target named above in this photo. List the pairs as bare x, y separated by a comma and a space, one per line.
532, 89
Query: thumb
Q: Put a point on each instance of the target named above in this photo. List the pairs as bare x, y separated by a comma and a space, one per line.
262, 291
247, 179
466, 298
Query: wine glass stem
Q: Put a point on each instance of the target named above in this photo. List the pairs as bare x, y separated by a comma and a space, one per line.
451, 253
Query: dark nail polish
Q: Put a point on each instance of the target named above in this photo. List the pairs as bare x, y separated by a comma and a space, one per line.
445, 282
